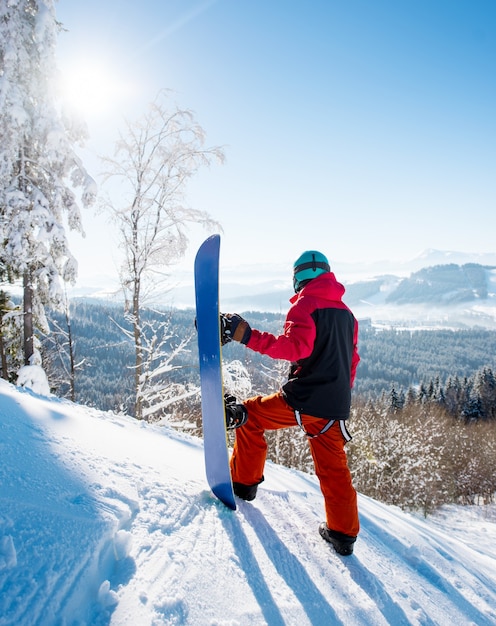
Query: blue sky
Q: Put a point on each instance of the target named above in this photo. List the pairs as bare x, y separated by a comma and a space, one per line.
365, 129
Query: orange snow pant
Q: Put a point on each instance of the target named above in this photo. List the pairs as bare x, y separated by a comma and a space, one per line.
331, 465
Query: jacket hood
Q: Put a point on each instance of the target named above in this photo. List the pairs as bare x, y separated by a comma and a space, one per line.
324, 286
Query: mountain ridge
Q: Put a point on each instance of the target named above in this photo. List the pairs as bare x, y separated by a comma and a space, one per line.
451, 295
434, 289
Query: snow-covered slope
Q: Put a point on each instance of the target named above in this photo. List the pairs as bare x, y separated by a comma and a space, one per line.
104, 520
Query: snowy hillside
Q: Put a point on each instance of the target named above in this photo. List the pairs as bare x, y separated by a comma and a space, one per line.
104, 520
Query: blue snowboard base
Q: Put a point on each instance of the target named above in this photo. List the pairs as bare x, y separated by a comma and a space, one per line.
209, 349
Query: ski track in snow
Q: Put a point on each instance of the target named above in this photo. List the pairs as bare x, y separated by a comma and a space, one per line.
105, 520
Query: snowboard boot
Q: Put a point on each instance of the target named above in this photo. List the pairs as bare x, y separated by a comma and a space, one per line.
236, 414
246, 492
343, 544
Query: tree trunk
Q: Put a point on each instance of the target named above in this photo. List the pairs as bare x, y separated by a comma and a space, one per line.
5, 372
28, 319
72, 371
138, 404
3, 355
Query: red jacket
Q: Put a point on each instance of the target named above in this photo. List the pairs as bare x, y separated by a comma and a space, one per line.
320, 339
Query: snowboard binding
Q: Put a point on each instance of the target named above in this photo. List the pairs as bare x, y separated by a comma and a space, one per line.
236, 414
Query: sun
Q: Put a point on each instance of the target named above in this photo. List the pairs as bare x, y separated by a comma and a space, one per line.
92, 88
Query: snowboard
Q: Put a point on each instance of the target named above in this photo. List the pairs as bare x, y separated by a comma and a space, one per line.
210, 358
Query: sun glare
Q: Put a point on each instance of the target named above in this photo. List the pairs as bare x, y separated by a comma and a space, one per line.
92, 89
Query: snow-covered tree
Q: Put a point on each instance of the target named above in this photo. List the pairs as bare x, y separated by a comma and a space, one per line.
39, 169
397, 457
236, 380
59, 354
153, 161
156, 392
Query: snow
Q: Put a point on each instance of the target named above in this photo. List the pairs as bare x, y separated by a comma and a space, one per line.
106, 520
33, 377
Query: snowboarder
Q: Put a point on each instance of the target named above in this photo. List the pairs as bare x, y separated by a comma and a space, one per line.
320, 340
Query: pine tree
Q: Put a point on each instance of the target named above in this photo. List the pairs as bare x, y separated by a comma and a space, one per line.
38, 166
396, 400
485, 386
422, 395
411, 396
452, 395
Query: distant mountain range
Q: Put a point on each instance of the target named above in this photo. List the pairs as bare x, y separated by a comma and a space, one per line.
446, 295
427, 258
436, 289
452, 296
439, 296
437, 285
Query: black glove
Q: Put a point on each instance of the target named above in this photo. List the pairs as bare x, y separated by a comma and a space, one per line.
234, 328
236, 414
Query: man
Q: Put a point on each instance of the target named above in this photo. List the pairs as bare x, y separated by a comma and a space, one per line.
320, 339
